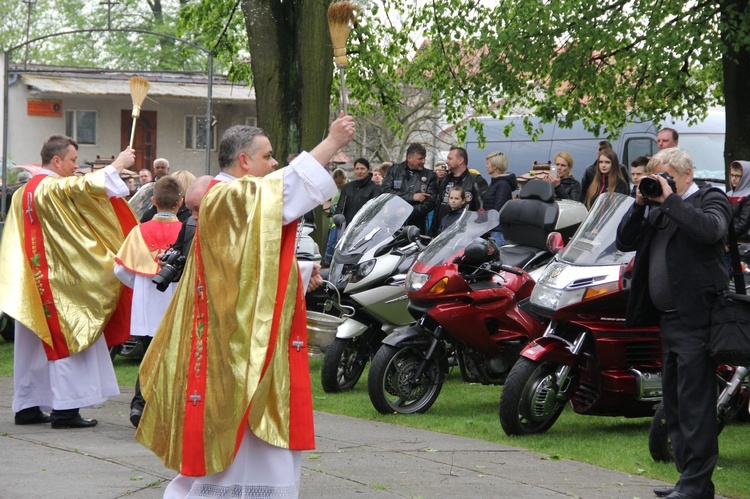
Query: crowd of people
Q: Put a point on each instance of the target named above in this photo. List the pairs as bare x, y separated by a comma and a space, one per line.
85, 267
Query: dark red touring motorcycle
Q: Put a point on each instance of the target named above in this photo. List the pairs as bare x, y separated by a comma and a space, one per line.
586, 357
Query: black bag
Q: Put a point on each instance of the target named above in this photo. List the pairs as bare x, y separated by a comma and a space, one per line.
730, 330
730, 319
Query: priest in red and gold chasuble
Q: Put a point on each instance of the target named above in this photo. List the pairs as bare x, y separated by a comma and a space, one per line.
58, 251
231, 349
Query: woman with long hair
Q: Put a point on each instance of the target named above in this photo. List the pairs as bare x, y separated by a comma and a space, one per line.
607, 178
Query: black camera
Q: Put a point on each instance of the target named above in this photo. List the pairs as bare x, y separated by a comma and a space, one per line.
650, 187
174, 262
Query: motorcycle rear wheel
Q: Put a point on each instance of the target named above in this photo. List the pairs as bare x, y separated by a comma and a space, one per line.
343, 364
391, 386
529, 402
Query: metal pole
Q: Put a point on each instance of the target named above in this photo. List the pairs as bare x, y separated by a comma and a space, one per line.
208, 112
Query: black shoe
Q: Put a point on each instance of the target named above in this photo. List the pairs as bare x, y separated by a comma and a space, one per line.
679, 495
135, 416
663, 492
76, 422
36, 418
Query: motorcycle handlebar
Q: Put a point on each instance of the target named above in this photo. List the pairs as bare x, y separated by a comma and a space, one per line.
512, 270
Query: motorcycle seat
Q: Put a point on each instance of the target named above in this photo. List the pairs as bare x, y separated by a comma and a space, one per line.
527, 221
517, 256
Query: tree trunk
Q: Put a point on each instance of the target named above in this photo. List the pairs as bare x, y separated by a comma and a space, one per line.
292, 64
736, 66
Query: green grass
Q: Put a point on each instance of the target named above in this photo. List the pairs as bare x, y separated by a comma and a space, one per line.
471, 410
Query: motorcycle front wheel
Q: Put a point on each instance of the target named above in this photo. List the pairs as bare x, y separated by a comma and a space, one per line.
391, 384
343, 364
659, 444
530, 402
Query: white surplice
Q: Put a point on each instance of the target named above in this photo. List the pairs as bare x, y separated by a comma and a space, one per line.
81, 380
260, 469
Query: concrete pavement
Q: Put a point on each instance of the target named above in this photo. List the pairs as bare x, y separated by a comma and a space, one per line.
354, 458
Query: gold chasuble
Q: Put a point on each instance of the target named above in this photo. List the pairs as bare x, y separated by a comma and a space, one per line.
231, 349
57, 259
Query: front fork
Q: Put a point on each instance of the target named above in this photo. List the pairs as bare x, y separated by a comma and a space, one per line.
575, 347
437, 337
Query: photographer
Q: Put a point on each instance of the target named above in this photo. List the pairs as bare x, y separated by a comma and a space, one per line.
683, 229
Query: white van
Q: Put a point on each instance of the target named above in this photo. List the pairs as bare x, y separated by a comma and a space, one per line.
704, 141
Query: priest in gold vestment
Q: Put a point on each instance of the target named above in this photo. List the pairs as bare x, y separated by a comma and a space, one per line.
226, 379
56, 261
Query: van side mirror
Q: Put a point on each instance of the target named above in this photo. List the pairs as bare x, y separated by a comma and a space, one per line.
555, 242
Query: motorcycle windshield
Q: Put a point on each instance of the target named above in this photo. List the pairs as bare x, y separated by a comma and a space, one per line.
449, 243
378, 220
141, 200
594, 242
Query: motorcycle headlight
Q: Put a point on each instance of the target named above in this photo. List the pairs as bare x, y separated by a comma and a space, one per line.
552, 299
363, 270
415, 281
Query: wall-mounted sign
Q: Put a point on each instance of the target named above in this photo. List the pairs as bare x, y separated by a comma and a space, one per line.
51, 108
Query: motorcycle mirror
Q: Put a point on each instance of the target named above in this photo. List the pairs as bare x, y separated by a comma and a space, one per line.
555, 242
339, 220
411, 233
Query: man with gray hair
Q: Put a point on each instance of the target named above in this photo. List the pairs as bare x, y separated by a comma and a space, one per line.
683, 229
161, 168
226, 379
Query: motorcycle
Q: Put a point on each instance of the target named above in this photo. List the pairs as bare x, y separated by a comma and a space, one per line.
367, 272
732, 403
586, 356
465, 300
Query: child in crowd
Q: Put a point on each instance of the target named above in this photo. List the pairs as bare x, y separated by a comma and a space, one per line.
637, 172
136, 264
457, 204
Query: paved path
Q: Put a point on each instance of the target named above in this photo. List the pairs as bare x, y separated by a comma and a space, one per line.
354, 458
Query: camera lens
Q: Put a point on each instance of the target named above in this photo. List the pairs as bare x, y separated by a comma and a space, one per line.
650, 187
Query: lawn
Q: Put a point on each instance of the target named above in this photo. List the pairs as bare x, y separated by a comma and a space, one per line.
471, 410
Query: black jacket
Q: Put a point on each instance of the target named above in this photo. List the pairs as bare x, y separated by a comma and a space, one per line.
354, 195
569, 188
449, 218
695, 261
500, 192
473, 185
404, 182
621, 186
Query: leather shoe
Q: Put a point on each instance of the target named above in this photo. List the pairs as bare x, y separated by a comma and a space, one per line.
37, 419
663, 492
135, 416
76, 422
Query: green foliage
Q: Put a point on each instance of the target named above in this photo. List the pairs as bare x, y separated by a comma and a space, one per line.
106, 49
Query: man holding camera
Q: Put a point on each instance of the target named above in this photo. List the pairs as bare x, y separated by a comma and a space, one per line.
683, 229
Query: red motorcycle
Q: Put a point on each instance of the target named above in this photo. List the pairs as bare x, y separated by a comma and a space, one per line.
587, 356
465, 301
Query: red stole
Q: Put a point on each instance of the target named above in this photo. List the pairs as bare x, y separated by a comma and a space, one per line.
117, 329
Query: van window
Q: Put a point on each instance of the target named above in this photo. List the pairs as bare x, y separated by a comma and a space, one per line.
640, 146
707, 151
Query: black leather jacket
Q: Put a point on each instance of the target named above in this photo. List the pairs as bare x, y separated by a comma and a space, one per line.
355, 194
404, 182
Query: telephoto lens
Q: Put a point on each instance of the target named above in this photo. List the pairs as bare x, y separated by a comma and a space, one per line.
650, 187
